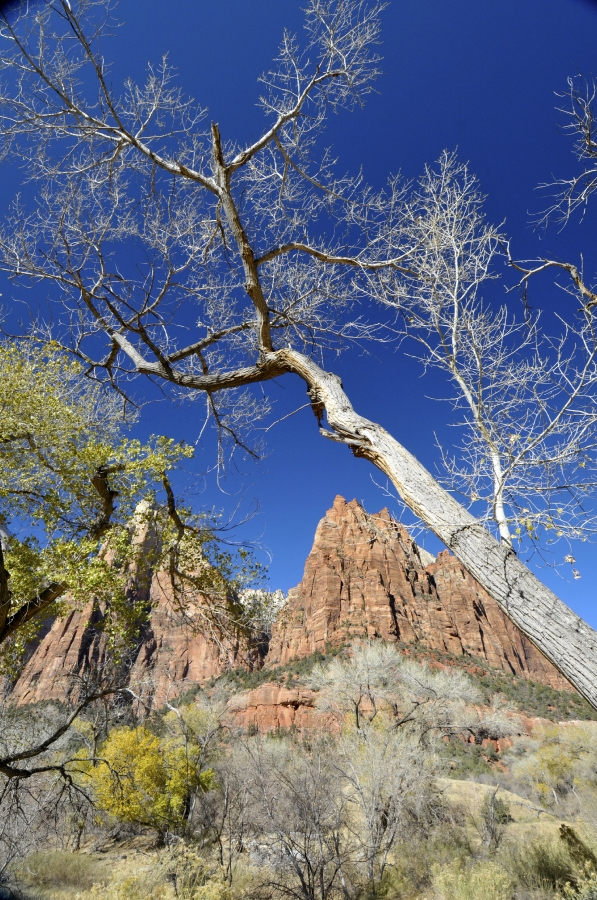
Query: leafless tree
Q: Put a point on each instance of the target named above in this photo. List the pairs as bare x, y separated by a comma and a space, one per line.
393, 715
377, 683
223, 817
301, 834
526, 401
327, 813
211, 267
571, 194
41, 800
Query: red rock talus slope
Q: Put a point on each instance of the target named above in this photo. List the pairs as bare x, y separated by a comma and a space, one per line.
364, 578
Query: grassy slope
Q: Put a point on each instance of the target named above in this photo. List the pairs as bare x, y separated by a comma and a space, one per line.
529, 697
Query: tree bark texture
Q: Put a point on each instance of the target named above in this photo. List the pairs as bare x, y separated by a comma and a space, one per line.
561, 635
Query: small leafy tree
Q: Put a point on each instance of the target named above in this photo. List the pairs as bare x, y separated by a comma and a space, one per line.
139, 779
72, 481
92, 513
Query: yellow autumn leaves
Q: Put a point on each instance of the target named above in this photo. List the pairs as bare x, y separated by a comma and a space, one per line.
140, 778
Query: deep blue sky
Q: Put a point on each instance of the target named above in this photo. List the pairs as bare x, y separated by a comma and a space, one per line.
477, 76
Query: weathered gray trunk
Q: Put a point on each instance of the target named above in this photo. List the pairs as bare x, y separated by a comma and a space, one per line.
565, 639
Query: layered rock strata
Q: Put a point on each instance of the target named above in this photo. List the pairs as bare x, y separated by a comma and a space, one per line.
272, 706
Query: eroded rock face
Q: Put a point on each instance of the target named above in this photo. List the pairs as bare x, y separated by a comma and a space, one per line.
179, 651
71, 648
272, 706
365, 578
173, 654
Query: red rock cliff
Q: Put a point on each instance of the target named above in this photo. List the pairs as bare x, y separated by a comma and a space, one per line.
365, 578
173, 654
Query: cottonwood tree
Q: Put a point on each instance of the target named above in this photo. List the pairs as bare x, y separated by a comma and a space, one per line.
70, 480
74, 486
527, 401
392, 717
301, 839
211, 266
329, 811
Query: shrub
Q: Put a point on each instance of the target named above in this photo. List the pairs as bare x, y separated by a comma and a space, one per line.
480, 881
542, 864
180, 874
584, 889
60, 870
579, 852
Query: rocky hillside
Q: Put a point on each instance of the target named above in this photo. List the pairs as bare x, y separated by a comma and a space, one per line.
365, 578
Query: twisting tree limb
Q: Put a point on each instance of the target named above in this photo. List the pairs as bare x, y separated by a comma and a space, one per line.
558, 632
270, 247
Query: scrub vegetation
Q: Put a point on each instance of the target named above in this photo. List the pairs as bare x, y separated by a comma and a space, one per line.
412, 786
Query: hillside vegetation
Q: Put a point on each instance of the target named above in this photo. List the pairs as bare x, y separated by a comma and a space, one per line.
421, 783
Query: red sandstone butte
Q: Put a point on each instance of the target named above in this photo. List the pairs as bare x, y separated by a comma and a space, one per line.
365, 578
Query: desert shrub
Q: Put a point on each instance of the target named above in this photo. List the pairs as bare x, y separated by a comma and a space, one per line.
558, 763
465, 760
60, 870
584, 889
178, 874
480, 881
544, 865
494, 817
579, 852
408, 877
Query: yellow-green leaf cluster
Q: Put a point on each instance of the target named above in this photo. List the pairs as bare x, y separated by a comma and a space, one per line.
141, 779
71, 486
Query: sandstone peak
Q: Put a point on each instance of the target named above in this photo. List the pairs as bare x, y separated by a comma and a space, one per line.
364, 578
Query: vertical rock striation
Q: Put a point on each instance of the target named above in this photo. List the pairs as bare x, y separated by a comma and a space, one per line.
365, 578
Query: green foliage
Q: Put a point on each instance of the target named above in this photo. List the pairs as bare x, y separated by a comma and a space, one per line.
59, 431
466, 760
240, 679
579, 852
497, 808
536, 699
72, 482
